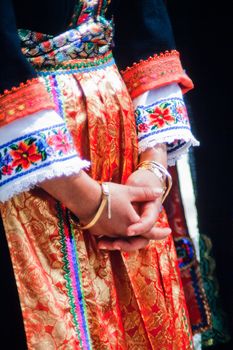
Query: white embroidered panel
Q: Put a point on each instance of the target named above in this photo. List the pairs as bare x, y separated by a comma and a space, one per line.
33, 149
161, 117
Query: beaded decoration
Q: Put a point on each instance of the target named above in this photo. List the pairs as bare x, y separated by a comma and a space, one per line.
27, 98
155, 72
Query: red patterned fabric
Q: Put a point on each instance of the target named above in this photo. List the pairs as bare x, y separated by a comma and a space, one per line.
24, 100
129, 301
198, 307
155, 72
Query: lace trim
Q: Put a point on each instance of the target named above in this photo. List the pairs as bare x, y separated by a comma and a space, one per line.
68, 167
155, 72
21, 101
33, 151
170, 137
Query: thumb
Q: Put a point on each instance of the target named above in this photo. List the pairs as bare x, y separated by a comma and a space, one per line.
144, 194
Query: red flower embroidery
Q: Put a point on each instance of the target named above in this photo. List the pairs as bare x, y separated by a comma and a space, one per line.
25, 155
143, 127
161, 116
7, 170
60, 142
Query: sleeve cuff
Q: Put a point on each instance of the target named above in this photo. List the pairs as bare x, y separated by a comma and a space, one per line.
24, 100
30, 154
155, 72
161, 117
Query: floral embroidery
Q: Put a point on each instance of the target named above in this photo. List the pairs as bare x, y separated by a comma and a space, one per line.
33, 151
24, 155
89, 35
60, 141
161, 116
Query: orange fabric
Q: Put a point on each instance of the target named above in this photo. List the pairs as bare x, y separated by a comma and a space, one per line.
132, 300
155, 72
24, 100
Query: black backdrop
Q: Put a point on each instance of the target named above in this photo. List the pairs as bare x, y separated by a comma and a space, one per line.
203, 32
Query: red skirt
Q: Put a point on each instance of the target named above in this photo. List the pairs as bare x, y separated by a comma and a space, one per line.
72, 295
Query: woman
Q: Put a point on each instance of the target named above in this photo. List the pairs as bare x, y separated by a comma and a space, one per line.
76, 143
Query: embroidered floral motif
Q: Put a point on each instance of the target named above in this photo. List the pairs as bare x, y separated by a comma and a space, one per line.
89, 35
24, 154
155, 72
34, 151
165, 121
161, 116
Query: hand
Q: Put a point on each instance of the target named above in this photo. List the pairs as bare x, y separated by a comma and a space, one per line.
128, 244
123, 212
82, 195
144, 229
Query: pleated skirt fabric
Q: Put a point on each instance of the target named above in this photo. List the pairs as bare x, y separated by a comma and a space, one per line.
73, 296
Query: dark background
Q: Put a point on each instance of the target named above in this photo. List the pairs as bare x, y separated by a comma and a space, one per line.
203, 32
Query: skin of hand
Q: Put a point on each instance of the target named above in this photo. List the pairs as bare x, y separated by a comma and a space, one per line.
82, 195
148, 210
144, 229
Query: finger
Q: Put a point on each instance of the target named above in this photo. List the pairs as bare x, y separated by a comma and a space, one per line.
157, 233
148, 218
124, 245
144, 194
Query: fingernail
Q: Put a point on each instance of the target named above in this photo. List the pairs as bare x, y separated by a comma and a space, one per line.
131, 233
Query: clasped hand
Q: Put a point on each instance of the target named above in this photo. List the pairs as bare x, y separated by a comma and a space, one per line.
135, 209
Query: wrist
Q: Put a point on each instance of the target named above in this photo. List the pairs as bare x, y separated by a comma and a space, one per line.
87, 196
160, 172
79, 193
157, 153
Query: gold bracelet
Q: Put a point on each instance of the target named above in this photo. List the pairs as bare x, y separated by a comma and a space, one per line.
106, 199
161, 172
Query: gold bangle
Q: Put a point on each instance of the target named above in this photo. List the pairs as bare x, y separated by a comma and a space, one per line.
161, 172
149, 165
106, 199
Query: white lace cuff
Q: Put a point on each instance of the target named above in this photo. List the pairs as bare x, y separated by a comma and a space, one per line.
33, 149
161, 117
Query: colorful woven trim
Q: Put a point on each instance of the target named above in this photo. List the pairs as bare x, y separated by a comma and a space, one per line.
19, 102
73, 277
79, 65
155, 72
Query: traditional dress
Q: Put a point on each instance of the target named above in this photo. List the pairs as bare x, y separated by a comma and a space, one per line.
65, 106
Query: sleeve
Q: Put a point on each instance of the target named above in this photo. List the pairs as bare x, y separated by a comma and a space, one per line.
144, 48
161, 117
34, 140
